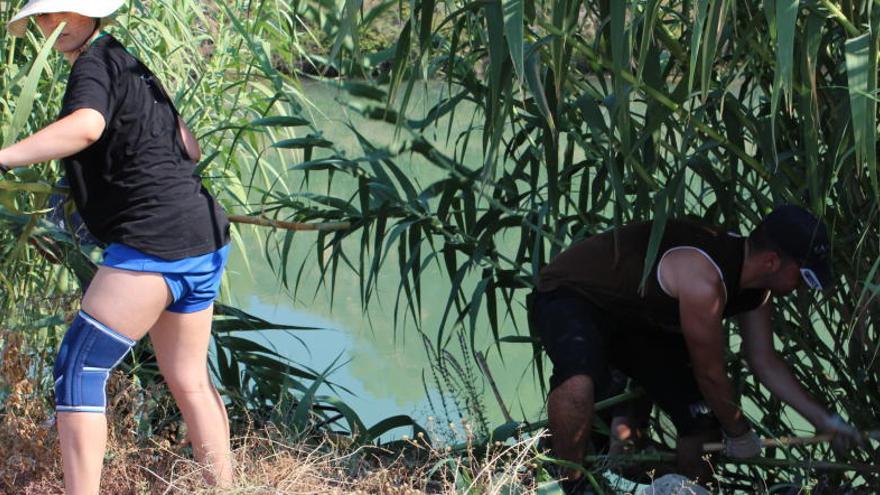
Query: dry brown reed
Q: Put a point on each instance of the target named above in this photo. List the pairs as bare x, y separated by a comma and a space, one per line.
28, 446
265, 464
267, 461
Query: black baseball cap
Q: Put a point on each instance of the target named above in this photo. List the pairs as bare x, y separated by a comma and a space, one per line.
804, 238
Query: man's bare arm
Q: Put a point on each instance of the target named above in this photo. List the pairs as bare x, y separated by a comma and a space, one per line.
697, 285
701, 307
771, 370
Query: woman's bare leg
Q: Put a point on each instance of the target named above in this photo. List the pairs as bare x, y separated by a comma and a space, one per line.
181, 344
129, 303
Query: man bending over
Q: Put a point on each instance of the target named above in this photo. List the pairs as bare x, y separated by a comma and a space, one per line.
591, 314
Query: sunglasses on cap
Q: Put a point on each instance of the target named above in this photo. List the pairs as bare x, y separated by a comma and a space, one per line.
811, 279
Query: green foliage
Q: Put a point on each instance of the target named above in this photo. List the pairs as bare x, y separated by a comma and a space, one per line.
592, 114
582, 115
222, 71
455, 380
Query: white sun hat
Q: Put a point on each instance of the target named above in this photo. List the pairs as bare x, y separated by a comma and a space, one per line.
89, 8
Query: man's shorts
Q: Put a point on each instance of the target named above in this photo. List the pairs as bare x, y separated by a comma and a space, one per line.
194, 282
580, 338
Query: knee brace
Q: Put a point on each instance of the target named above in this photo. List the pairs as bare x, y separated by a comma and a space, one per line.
88, 352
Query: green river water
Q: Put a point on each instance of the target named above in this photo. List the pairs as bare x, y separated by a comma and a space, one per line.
385, 365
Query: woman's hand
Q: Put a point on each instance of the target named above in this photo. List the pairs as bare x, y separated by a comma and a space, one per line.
64, 137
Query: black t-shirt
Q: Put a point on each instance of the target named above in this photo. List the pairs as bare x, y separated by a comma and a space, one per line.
136, 184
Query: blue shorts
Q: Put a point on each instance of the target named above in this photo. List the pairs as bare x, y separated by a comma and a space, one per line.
194, 282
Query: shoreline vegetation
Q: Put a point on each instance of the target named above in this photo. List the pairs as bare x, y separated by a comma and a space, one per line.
266, 460
574, 117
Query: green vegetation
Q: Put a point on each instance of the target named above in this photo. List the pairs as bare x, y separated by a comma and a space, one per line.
578, 116
590, 114
220, 67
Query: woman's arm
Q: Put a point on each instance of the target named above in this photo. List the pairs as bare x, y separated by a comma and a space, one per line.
62, 138
193, 150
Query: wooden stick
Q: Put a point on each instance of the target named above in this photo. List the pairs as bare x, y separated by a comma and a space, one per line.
788, 441
281, 224
42, 187
484, 366
775, 442
669, 457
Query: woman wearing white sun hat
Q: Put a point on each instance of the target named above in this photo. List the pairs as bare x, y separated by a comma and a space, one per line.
130, 162
95, 9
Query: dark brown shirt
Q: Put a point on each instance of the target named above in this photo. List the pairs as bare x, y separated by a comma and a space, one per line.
607, 269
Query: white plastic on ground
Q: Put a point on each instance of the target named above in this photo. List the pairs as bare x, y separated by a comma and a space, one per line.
673, 484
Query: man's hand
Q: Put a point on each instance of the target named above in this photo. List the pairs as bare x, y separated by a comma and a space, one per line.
846, 436
743, 446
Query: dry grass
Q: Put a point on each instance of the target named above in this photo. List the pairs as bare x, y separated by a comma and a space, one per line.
265, 463
28, 445
266, 460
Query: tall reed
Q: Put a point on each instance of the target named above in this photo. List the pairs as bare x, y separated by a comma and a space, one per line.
589, 114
